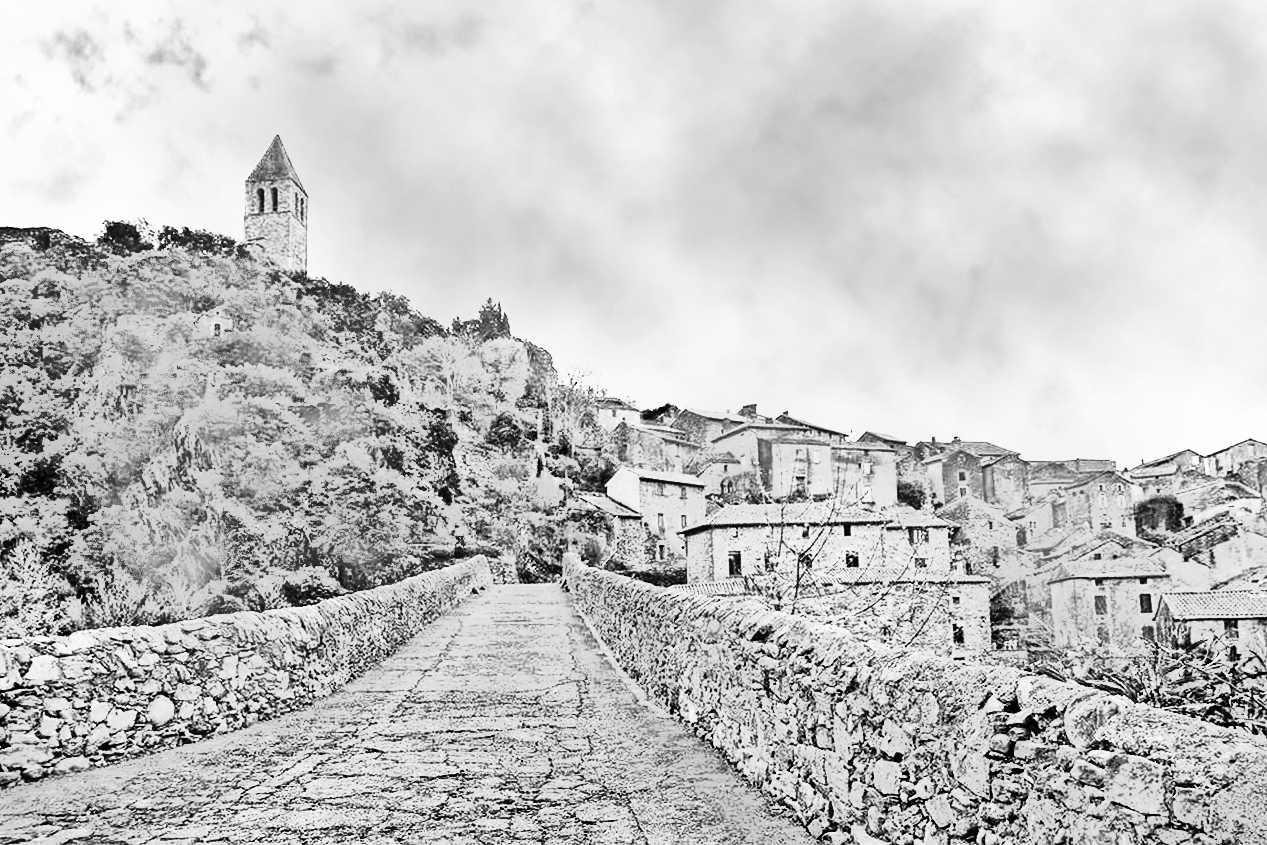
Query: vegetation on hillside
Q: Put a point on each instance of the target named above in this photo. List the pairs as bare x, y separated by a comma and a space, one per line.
184, 430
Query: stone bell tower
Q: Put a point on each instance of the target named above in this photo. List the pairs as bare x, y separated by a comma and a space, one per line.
276, 218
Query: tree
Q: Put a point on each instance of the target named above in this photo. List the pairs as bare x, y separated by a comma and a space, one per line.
1158, 514
911, 494
505, 433
125, 238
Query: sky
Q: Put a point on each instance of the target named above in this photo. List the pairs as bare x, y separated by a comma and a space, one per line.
1035, 223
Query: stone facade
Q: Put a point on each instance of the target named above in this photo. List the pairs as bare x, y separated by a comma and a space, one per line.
1105, 502
98, 696
870, 744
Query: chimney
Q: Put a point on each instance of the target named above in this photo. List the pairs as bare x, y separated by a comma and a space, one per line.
748, 410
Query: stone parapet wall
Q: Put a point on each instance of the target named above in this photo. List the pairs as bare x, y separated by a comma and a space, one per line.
98, 696
882, 746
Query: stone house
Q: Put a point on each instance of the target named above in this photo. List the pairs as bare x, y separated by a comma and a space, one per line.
1160, 476
831, 435
703, 427
986, 537
667, 501
653, 447
610, 412
212, 324
740, 540
1228, 461
617, 528
1105, 502
720, 472
1037, 519
1203, 497
1226, 545
889, 575
275, 221
980, 469
1109, 601
1235, 620
1050, 476
790, 461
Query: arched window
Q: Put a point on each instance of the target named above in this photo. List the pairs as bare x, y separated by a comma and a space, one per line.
259, 195
274, 190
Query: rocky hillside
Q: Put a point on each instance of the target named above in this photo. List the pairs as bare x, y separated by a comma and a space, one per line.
184, 430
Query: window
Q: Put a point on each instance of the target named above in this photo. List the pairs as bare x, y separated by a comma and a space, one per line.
1099, 582
274, 194
683, 520
917, 535
734, 563
660, 551
1231, 628
259, 196
804, 560
963, 476
1101, 605
956, 632
1148, 633
683, 493
963, 491
659, 488
1143, 580
1145, 603
1102, 634
216, 330
921, 563
659, 521
846, 530
851, 560
954, 600
1097, 556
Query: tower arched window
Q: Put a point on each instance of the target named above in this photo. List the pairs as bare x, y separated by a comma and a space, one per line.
259, 195
274, 190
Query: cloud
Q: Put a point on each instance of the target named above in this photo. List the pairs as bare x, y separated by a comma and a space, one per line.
80, 51
175, 49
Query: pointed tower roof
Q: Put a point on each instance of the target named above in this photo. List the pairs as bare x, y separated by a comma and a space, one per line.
275, 165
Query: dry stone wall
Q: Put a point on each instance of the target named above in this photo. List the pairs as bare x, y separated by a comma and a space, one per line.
878, 746
94, 697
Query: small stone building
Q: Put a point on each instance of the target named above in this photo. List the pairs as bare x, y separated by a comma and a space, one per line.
668, 502
617, 528
1110, 601
1234, 619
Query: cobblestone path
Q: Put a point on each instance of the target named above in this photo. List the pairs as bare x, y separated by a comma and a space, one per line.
502, 722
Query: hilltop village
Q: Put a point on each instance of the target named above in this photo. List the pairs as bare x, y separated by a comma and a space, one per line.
952, 543
960, 546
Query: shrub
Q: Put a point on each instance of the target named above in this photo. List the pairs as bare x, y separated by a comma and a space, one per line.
310, 585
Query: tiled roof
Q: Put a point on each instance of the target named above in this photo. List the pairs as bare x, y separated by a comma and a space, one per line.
797, 513
751, 425
1121, 567
1234, 445
885, 437
612, 402
275, 165
712, 415
981, 448
1194, 532
914, 519
1217, 604
787, 418
855, 446
607, 504
1092, 478
1153, 471
894, 572
667, 477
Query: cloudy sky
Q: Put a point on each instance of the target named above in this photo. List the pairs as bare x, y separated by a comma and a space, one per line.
1042, 224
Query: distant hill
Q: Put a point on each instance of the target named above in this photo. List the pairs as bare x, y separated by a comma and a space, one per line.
185, 430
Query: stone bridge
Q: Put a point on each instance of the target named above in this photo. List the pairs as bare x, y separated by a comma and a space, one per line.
448, 709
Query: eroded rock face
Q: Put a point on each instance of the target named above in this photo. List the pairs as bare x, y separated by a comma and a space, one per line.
67, 703
870, 744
